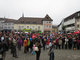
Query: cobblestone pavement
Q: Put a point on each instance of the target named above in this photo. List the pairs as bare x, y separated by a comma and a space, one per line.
59, 55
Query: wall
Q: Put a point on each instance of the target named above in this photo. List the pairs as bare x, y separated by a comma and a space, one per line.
8, 26
28, 26
47, 26
71, 21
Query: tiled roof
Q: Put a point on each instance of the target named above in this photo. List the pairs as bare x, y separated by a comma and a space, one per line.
47, 18
31, 20
1, 19
7, 20
27, 20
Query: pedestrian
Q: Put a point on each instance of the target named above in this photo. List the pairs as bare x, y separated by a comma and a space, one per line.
59, 43
25, 45
63, 42
28, 45
13, 48
38, 52
44, 44
31, 44
1, 49
66, 42
19, 43
51, 53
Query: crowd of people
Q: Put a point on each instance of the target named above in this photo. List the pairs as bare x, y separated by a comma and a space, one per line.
33, 42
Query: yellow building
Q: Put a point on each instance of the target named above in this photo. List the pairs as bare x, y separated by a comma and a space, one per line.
54, 29
36, 24
34, 27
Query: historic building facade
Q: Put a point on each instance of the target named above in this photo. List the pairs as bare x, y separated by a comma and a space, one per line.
36, 24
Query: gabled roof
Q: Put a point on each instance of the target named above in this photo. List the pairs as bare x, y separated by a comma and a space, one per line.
7, 20
10, 20
1, 19
47, 18
32, 20
29, 20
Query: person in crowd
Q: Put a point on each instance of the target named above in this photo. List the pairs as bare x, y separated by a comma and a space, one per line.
19, 43
74, 43
77, 41
63, 42
51, 53
59, 43
38, 52
31, 44
13, 48
28, 45
25, 45
44, 43
1, 49
66, 42
70, 43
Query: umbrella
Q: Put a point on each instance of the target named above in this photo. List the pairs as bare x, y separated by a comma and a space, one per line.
77, 32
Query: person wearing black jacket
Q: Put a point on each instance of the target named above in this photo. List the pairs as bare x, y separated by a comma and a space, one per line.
63, 42
3, 48
39, 50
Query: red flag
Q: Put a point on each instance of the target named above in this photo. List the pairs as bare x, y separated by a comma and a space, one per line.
33, 36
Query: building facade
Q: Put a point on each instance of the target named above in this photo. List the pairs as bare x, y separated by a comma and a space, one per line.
77, 23
36, 24
6, 24
71, 23
1, 23
54, 29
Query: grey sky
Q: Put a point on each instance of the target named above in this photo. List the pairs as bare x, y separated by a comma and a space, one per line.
57, 9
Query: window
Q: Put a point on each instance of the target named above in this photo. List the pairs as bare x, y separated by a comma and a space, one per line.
49, 21
9, 24
22, 21
12, 27
27, 27
19, 27
49, 26
22, 26
34, 22
38, 27
8, 27
28, 22
5, 27
33, 26
5, 23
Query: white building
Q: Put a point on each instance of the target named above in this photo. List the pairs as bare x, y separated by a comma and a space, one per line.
6, 24
1, 23
70, 22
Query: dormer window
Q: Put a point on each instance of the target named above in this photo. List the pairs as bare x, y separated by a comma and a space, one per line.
47, 17
22, 22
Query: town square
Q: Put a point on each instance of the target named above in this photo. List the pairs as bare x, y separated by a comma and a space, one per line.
39, 30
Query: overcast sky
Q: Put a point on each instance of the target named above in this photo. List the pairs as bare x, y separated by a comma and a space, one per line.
56, 9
